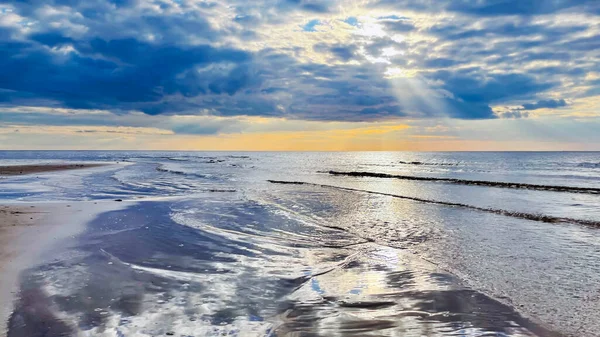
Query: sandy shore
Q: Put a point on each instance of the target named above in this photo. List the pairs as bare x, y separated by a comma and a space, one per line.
29, 230
12, 170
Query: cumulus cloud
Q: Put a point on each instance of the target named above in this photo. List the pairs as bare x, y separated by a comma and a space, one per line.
315, 60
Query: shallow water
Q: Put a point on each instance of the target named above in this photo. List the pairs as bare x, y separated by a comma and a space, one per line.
208, 246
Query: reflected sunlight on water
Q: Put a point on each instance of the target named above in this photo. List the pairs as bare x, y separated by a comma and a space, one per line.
208, 247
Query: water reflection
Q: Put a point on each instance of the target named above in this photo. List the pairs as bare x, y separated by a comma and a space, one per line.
395, 297
214, 266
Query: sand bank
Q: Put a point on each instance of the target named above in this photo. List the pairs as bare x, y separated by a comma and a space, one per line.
12, 170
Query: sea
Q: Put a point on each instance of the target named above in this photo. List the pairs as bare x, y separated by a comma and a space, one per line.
316, 244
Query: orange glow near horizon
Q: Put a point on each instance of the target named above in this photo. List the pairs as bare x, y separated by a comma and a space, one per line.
370, 138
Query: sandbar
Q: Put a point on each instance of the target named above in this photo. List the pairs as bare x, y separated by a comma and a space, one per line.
15, 170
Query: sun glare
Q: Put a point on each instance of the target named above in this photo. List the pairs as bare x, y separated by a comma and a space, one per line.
395, 72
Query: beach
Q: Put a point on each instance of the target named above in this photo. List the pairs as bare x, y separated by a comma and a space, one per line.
300, 168
273, 244
12, 220
28, 229
12, 170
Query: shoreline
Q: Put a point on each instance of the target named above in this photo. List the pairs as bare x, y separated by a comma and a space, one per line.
31, 232
28, 230
17, 170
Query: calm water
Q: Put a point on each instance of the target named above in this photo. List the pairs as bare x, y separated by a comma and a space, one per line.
211, 247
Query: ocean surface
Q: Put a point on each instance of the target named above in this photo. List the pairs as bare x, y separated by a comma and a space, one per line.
318, 244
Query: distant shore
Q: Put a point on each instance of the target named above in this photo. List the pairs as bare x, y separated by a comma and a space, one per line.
14, 170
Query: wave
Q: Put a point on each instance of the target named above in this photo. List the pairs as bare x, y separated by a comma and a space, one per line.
514, 214
163, 169
500, 184
380, 165
589, 165
206, 160
427, 164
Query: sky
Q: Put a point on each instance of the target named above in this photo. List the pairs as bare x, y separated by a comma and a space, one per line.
298, 75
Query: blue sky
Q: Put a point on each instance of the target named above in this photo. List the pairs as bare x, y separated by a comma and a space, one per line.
487, 74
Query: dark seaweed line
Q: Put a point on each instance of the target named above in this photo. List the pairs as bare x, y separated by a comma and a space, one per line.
570, 189
520, 215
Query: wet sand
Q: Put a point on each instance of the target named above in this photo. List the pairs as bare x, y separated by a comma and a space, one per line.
27, 231
17, 233
13, 170
12, 221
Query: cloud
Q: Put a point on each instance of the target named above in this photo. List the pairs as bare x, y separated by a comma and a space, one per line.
516, 114
494, 8
49, 130
294, 59
523, 110
399, 25
550, 104
470, 86
342, 52
520, 7
306, 5
126, 74
487, 28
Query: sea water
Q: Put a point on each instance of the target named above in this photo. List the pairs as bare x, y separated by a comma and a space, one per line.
276, 244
